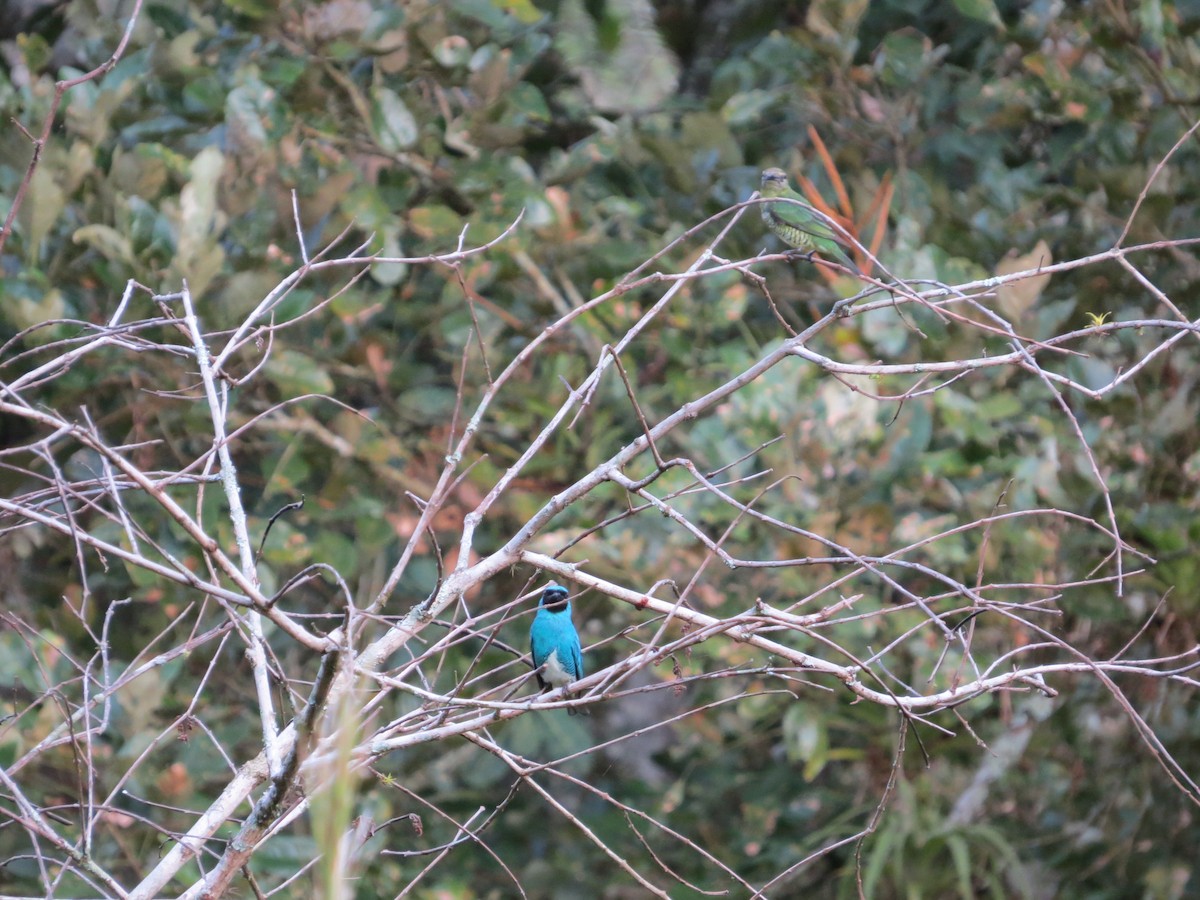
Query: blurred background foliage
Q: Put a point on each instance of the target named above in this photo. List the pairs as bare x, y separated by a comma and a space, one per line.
616, 125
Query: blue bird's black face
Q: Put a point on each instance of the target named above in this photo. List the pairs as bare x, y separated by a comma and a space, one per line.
554, 598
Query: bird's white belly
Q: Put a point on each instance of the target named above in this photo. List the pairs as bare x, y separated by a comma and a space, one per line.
554, 671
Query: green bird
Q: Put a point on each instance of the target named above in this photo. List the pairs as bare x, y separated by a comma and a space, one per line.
798, 224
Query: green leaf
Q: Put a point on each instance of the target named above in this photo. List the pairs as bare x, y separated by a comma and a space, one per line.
106, 241
917, 432
245, 114
807, 736
962, 864
252, 9
980, 10
527, 104
748, 107
433, 222
35, 50
395, 126
635, 75
42, 208
335, 549
1151, 23
29, 311
452, 51
429, 404
522, 10
172, 22
296, 373
390, 274
200, 221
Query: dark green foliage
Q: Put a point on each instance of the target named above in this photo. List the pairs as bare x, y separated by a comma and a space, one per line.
1002, 124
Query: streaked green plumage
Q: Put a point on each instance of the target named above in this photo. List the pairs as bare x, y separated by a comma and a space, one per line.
797, 224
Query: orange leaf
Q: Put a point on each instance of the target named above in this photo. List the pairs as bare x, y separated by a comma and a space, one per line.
831, 170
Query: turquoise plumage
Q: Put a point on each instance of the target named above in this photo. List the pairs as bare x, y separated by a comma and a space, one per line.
553, 640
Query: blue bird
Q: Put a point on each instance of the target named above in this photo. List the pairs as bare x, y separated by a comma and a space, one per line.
553, 641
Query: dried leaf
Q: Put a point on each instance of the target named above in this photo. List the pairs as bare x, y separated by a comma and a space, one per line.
1016, 298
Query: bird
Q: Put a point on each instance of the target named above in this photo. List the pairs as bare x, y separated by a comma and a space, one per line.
797, 224
554, 642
